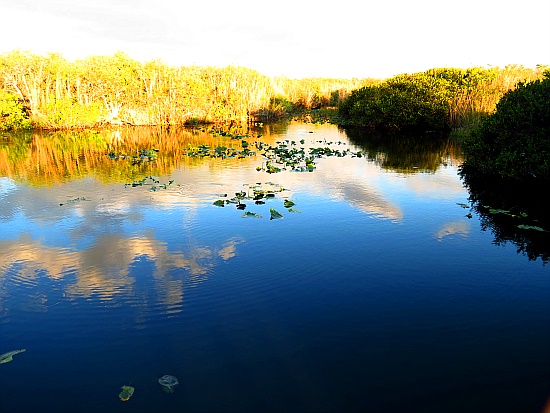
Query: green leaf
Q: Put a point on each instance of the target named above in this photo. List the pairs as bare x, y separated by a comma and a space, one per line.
275, 214
126, 393
288, 203
219, 202
249, 214
533, 227
7, 357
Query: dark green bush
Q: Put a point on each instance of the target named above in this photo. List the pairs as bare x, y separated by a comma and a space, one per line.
417, 102
514, 141
13, 114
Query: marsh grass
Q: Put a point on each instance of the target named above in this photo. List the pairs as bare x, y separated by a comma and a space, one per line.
469, 106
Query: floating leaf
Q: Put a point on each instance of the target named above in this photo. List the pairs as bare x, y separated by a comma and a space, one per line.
297, 211
275, 214
126, 393
219, 202
533, 227
7, 357
288, 203
465, 206
249, 214
168, 383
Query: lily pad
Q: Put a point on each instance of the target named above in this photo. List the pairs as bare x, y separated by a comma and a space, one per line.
219, 202
288, 203
249, 214
533, 227
126, 393
275, 214
7, 357
168, 383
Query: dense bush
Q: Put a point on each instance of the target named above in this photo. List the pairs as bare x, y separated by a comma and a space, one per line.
515, 140
437, 99
13, 115
417, 102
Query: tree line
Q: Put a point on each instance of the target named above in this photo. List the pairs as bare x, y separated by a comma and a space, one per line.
51, 92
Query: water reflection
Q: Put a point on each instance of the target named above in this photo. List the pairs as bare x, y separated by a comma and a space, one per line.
106, 268
109, 283
48, 158
406, 153
505, 206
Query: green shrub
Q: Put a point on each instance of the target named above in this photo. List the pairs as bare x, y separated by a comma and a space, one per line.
515, 140
13, 114
67, 113
417, 102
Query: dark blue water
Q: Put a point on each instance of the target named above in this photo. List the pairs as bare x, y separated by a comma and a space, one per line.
381, 295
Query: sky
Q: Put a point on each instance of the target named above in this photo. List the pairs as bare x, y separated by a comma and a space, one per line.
294, 38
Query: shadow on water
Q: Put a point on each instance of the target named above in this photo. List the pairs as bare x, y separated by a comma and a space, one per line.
406, 153
513, 211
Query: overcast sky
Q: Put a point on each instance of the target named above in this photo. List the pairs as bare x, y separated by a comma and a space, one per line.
296, 38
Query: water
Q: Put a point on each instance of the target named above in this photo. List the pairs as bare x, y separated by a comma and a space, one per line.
380, 295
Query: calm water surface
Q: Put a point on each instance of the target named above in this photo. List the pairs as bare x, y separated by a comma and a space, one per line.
377, 294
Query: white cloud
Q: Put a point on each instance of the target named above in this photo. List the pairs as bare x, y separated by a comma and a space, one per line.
305, 38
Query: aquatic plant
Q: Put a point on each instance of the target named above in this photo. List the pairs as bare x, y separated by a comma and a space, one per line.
126, 393
7, 357
275, 214
168, 383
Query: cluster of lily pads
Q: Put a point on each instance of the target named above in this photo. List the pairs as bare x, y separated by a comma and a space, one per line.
74, 201
150, 180
286, 155
258, 195
219, 151
144, 155
504, 212
167, 382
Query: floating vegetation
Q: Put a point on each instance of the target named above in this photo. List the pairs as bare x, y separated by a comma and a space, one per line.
532, 227
491, 210
142, 156
7, 357
168, 383
275, 214
126, 393
259, 194
249, 214
219, 151
74, 201
288, 203
150, 180
286, 156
